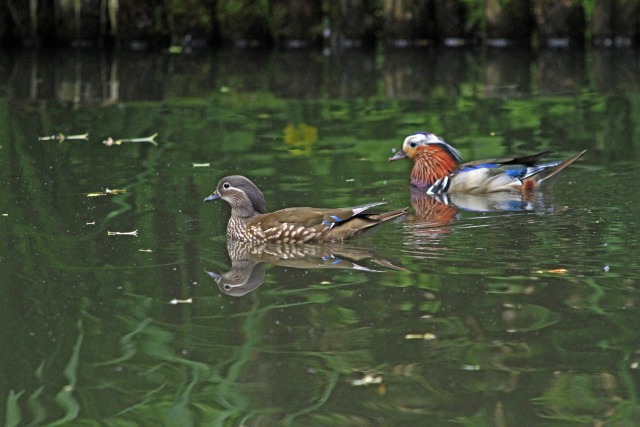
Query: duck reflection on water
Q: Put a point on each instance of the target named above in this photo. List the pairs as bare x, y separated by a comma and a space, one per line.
434, 215
443, 208
249, 262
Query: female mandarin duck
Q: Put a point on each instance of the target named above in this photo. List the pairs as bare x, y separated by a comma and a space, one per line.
438, 170
249, 221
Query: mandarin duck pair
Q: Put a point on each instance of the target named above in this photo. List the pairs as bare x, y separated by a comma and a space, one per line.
438, 169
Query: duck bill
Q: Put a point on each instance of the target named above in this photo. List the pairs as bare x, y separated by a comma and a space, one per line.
215, 276
214, 196
399, 155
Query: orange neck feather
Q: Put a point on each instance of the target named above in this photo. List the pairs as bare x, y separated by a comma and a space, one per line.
431, 164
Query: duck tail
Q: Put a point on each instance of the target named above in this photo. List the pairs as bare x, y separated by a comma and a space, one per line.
379, 218
543, 172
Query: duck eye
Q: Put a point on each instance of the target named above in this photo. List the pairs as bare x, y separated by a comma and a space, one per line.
226, 185
412, 144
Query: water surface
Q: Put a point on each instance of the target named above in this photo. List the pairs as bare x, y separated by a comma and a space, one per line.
450, 316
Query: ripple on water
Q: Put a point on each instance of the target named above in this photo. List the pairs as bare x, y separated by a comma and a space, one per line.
578, 239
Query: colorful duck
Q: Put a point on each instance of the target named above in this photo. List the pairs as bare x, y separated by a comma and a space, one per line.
438, 169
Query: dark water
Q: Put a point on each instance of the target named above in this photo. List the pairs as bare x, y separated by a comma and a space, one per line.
473, 316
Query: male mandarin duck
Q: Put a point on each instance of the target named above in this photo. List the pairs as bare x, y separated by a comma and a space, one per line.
438, 169
250, 221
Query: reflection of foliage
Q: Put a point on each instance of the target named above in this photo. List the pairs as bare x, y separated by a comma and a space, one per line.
300, 138
586, 399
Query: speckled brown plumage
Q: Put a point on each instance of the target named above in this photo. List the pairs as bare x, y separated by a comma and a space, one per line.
249, 221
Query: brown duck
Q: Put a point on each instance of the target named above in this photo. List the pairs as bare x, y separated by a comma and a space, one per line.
250, 221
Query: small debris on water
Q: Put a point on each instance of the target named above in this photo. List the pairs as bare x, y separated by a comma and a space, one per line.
123, 233
181, 301
553, 271
471, 367
606, 268
367, 379
201, 165
106, 192
61, 137
110, 141
426, 336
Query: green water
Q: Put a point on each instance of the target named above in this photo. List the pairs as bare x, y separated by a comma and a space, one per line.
527, 316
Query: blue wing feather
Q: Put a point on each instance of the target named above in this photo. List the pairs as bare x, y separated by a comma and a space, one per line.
515, 172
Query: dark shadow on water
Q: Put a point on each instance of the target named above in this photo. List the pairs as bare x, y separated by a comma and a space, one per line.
561, 71
507, 72
88, 77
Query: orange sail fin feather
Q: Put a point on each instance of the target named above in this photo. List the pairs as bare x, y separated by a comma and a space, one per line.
437, 163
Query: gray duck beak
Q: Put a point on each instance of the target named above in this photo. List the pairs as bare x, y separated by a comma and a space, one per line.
399, 155
213, 196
